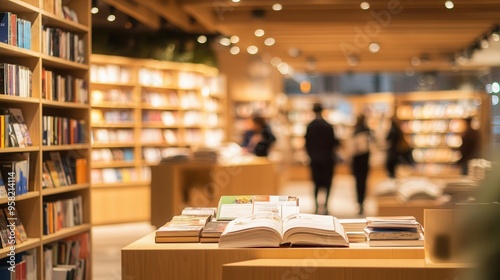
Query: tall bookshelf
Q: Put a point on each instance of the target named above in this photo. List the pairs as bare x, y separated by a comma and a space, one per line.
71, 62
143, 110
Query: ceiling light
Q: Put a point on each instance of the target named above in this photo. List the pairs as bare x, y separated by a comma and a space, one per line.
495, 34
225, 41
259, 32
277, 7
484, 43
283, 68
294, 52
364, 5
202, 39
275, 61
131, 23
415, 61
252, 49
374, 47
234, 39
234, 50
235, 1
94, 10
111, 16
353, 60
269, 41
449, 4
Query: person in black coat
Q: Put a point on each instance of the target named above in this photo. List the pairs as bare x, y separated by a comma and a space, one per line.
470, 147
360, 159
320, 143
259, 139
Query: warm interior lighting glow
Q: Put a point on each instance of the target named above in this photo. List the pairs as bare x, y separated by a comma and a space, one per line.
449, 4
269, 41
234, 50
365, 5
234, 39
277, 7
259, 32
202, 39
374, 47
252, 50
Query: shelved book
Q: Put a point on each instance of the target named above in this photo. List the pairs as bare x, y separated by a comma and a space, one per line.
63, 213
7, 217
394, 231
15, 80
14, 131
25, 267
270, 230
182, 228
67, 258
15, 171
15, 30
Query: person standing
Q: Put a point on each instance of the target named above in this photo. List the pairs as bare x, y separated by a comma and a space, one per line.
360, 159
320, 143
259, 138
398, 150
470, 147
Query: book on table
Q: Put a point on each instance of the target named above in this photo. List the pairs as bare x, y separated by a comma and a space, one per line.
270, 230
394, 231
235, 206
182, 228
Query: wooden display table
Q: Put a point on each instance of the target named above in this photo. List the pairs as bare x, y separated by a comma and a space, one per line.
180, 184
340, 269
391, 206
143, 259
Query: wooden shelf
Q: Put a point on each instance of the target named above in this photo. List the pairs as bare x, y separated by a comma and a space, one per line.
166, 95
29, 206
113, 125
26, 245
64, 189
65, 232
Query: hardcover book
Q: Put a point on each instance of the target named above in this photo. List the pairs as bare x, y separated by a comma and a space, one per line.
270, 230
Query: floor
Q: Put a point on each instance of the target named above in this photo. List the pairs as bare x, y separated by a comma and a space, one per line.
108, 240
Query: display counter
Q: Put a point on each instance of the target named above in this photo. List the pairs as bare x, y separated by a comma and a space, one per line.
175, 185
144, 259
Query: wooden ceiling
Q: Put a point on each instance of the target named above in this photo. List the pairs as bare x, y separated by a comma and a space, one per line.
334, 35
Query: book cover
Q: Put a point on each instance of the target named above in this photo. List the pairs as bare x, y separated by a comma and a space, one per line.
3, 189
21, 235
58, 164
389, 233
397, 242
47, 181
234, 206
5, 27
53, 173
270, 230
214, 229
17, 117
4, 234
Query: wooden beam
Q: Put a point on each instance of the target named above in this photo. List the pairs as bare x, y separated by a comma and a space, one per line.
169, 10
136, 11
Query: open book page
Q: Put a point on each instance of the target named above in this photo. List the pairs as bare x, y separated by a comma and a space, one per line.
259, 230
312, 229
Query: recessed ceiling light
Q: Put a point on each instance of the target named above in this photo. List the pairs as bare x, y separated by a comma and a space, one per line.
259, 32
277, 7
269, 41
235, 1
225, 41
275, 61
449, 4
202, 39
94, 10
365, 5
283, 68
111, 17
374, 47
234, 50
485, 43
234, 39
252, 49
415, 61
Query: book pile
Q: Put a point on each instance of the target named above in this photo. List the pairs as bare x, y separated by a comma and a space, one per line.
354, 229
231, 207
186, 227
212, 231
396, 231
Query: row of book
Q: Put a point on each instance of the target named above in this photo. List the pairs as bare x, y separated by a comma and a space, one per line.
14, 131
64, 44
109, 74
11, 235
60, 214
114, 95
159, 136
112, 116
14, 30
157, 99
14, 174
113, 175
58, 130
112, 136
64, 88
15, 80
65, 170
110, 155
67, 259
438, 110
24, 267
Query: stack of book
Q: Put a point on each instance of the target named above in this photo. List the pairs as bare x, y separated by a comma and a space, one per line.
395, 231
186, 227
354, 229
212, 231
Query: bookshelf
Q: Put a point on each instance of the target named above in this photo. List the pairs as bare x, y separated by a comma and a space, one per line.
433, 122
62, 95
143, 110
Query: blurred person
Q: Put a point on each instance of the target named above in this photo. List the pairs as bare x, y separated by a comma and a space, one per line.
470, 146
259, 138
398, 150
320, 143
360, 151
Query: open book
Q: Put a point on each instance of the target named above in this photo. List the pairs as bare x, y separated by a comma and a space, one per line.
270, 230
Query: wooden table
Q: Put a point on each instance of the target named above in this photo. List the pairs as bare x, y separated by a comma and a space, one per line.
341, 269
180, 184
143, 259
